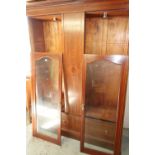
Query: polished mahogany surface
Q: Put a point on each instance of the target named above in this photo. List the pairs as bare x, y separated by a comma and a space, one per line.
107, 35
46, 34
72, 59
75, 28
72, 6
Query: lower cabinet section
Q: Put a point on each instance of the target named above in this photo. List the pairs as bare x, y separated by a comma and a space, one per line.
70, 125
99, 134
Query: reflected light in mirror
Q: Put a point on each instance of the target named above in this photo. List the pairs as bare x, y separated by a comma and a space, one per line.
117, 58
51, 124
47, 112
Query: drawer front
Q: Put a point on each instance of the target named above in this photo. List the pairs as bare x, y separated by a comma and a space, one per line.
99, 130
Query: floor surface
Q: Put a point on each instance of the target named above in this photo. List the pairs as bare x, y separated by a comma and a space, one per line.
36, 146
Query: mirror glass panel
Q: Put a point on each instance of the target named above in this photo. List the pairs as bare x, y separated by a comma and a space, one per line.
101, 101
47, 97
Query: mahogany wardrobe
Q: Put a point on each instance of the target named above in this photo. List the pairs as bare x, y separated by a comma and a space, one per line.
79, 70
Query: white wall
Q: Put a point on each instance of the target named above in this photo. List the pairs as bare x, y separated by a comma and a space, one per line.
126, 115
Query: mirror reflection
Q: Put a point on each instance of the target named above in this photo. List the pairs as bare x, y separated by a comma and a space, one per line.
47, 99
101, 101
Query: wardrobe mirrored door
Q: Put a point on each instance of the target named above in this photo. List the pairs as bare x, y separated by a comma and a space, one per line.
48, 98
102, 84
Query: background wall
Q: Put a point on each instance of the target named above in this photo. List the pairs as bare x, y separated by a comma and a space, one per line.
126, 116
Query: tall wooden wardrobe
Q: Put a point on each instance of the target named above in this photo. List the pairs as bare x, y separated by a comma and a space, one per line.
79, 57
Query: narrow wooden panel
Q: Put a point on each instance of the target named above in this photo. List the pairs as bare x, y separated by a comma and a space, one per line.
117, 49
110, 13
127, 33
72, 59
49, 17
117, 37
96, 35
126, 49
93, 35
36, 35
117, 28
53, 36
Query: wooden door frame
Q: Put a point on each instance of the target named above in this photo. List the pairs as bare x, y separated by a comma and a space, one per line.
36, 56
120, 60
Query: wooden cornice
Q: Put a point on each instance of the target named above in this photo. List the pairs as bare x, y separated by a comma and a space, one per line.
39, 8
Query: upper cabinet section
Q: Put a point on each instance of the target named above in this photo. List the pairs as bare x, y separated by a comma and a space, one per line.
46, 33
106, 32
44, 7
